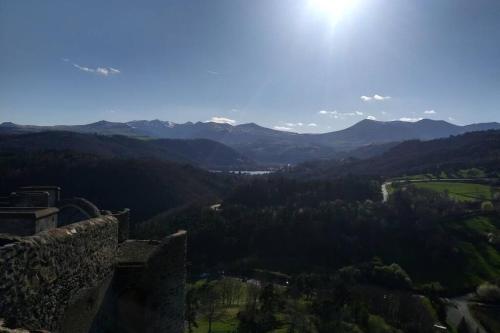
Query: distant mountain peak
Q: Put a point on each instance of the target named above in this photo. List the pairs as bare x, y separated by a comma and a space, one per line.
8, 124
105, 123
368, 121
433, 121
249, 125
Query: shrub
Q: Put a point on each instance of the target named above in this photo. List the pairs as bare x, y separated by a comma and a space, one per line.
489, 292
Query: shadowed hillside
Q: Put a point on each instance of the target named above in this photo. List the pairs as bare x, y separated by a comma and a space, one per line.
147, 187
202, 152
476, 149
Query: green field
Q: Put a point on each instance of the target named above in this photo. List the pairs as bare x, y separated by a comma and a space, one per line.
460, 191
226, 323
226, 320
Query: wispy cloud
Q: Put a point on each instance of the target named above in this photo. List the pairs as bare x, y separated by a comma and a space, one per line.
340, 115
410, 119
291, 126
103, 71
222, 120
375, 97
381, 98
371, 118
212, 72
282, 128
429, 112
299, 124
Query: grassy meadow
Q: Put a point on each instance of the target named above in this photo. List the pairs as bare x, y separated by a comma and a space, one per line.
460, 191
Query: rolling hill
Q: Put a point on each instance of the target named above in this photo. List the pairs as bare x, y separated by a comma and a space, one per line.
475, 149
147, 187
200, 152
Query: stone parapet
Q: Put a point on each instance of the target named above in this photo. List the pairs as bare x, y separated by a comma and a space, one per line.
40, 275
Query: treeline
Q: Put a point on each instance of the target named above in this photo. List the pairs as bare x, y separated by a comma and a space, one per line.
418, 229
280, 191
353, 299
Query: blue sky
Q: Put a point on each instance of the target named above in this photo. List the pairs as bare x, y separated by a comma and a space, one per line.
286, 64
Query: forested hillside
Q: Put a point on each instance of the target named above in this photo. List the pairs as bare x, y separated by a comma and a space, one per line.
147, 187
476, 149
201, 152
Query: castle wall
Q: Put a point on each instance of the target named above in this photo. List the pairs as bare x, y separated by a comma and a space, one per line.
123, 218
167, 273
148, 288
42, 276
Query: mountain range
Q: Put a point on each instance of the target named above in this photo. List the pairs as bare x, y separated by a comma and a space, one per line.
272, 147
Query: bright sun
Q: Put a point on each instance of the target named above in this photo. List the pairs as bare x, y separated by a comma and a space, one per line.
334, 10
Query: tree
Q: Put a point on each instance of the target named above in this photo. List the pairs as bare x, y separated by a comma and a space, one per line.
259, 315
230, 289
192, 307
210, 303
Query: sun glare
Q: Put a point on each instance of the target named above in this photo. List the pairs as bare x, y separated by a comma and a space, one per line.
333, 10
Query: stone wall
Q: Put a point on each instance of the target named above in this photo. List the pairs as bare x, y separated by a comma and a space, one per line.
148, 288
123, 218
41, 275
167, 273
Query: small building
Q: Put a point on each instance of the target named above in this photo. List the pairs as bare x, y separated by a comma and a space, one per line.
53, 191
27, 221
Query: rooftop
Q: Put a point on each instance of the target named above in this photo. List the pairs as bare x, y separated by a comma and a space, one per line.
27, 212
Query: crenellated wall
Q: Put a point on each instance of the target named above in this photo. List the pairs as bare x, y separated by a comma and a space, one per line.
41, 275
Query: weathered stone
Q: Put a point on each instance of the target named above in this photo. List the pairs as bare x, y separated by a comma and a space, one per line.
72, 278
68, 271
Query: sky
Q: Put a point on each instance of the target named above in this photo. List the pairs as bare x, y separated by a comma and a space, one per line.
297, 65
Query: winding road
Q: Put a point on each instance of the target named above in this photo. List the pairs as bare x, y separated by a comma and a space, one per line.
458, 308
